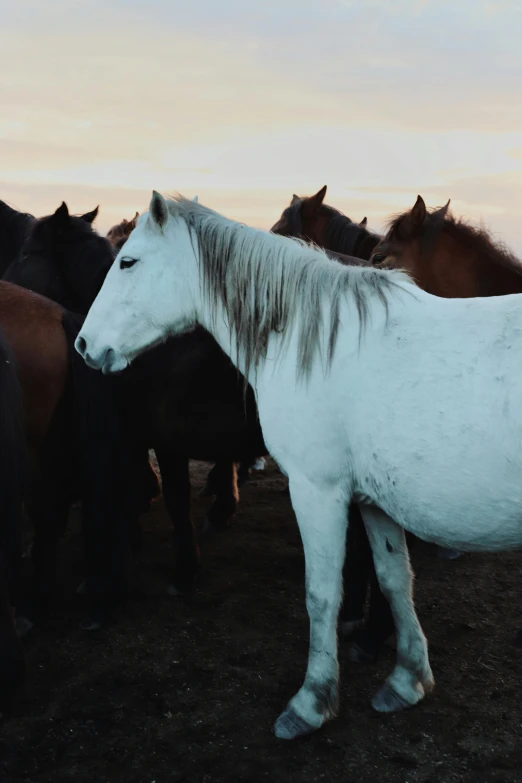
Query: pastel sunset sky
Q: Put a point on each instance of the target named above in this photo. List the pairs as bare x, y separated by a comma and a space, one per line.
244, 103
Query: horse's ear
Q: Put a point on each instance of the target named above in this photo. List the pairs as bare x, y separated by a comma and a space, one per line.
158, 209
195, 200
90, 217
443, 211
62, 213
294, 199
418, 213
413, 221
314, 202
363, 222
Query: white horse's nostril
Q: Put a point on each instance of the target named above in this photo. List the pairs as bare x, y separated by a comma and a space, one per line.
81, 345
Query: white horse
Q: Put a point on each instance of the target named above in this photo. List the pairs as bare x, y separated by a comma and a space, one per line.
368, 388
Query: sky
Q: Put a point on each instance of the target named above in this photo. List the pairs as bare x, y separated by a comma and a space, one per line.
245, 103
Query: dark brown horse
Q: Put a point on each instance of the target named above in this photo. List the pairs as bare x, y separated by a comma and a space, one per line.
309, 218
448, 257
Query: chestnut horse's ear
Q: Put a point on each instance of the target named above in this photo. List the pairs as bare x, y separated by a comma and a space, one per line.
158, 209
413, 221
418, 213
363, 222
90, 217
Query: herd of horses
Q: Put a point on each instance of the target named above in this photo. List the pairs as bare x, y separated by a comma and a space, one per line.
69, 433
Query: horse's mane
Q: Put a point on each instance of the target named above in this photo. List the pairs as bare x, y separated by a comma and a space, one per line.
342, 234
267, 283
345, 236
476, 238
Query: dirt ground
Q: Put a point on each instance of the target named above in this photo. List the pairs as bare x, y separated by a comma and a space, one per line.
188, 689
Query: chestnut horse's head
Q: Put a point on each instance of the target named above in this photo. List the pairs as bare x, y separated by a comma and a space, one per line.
310, 219
118, 235
447, 256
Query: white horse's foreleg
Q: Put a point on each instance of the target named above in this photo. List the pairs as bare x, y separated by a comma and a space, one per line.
322, 515
412, 675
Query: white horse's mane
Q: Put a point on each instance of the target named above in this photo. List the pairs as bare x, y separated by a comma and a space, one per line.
266, 283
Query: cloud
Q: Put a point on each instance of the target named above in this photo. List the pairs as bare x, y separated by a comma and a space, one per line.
245, 103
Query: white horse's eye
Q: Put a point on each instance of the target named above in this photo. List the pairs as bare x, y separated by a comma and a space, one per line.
126, 262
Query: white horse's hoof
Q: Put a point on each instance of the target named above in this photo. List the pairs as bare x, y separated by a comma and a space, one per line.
388, 700
290, 726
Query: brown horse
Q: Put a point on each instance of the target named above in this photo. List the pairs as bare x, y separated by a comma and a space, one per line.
78, 449
309, 218
38, 359
118, 235
446, 256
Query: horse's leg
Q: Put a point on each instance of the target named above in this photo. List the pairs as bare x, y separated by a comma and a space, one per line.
365, 642
357, 568
12, 662
243, 472
412, 675
379, 627
211, 484
151, 489
174, 469
48, 510
322, 515
227, 496
245, 466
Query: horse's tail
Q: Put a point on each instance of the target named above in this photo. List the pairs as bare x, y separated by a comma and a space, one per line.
13, 464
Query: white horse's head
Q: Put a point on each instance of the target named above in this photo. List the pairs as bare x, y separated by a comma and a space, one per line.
149, 293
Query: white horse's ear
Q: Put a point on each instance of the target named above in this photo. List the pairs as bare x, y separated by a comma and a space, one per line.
158, 209
195, 200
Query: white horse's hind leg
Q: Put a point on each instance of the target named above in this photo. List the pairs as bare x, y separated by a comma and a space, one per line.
322, 515
412, 675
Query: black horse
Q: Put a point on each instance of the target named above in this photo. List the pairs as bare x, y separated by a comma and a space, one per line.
12, 484
184, 399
